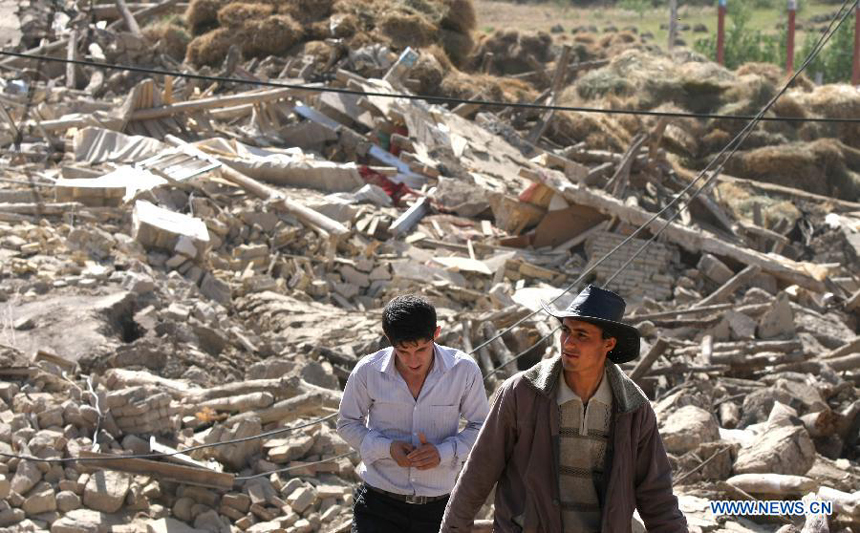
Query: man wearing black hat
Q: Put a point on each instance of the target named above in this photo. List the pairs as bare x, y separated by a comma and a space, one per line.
572, 442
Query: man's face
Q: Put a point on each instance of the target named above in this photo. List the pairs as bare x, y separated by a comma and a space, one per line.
415, 358
583, 347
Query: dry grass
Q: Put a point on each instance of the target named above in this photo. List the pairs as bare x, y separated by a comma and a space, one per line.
202, 15
407, 29
235, 15
168, 38
271, 36
210, 48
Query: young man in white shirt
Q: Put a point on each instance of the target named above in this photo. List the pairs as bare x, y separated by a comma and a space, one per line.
401, 411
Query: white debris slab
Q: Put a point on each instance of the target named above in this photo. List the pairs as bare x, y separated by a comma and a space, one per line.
156, 227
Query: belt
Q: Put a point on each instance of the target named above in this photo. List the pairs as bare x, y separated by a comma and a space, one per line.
411, 499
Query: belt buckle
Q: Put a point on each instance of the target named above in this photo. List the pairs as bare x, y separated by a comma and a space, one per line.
416, 500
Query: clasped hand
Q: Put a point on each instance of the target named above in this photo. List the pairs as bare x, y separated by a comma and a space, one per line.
423, 457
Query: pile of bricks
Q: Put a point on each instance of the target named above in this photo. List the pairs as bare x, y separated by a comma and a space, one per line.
648, 274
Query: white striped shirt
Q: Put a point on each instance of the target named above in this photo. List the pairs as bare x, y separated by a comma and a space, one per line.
377, 409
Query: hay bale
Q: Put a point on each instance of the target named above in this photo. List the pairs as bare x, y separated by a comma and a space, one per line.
458, 84
457, 46
818, 167
430, 69
460, 16
168, 38
510, 49
202, 15
407, 29
788, 106
210, 48
768, 71
235, 15
537, 44
319, 50
318, 31
834, 100
273, 35
597, 131
306, 10
343, 26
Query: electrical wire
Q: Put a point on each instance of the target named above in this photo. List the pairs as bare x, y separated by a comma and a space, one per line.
734, 144
428, 98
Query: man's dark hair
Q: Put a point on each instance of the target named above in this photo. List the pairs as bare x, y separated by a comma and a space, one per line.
408, 318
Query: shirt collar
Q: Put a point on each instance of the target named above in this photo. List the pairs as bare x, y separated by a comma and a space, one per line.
443, 360
603, 394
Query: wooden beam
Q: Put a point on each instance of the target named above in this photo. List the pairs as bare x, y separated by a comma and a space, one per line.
557, 85
694, 240
71, 55
728, 288
169, 472
645, 364
128, 18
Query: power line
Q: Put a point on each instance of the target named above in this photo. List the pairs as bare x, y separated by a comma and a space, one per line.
296, 467
734, 144
435, 99
739, 139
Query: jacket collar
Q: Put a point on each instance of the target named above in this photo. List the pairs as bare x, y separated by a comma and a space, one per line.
544, 377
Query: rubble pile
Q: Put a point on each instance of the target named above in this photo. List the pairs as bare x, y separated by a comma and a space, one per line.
188, 264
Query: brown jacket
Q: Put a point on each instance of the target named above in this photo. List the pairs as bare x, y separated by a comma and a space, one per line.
518, 447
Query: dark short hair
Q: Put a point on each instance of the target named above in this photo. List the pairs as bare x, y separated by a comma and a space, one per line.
408, 318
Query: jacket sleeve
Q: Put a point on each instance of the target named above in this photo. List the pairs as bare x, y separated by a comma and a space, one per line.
485, 464
655, 500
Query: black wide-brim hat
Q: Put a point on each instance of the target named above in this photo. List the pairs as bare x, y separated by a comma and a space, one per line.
605, 309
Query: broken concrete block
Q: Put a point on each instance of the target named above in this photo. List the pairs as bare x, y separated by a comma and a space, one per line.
10, 517
783, 450
301, 499
170, 525
105, 491
26, 477
294, 448
714, 269
156, 227
687, 428
41, 499
178, 312
240, 502
778, 321
185, 246
83, 521
354, 277
176, 261
211, 521
67, 501
215, 289
742, 327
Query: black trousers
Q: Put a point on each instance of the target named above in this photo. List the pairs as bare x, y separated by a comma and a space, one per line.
377, 513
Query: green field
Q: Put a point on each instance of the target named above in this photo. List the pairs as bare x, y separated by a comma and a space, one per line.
495, 15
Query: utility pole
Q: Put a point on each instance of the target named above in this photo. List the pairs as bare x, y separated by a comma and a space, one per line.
721, 32
789, 59
673, 23
855, 77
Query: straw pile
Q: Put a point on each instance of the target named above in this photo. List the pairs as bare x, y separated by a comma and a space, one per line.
397, 23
